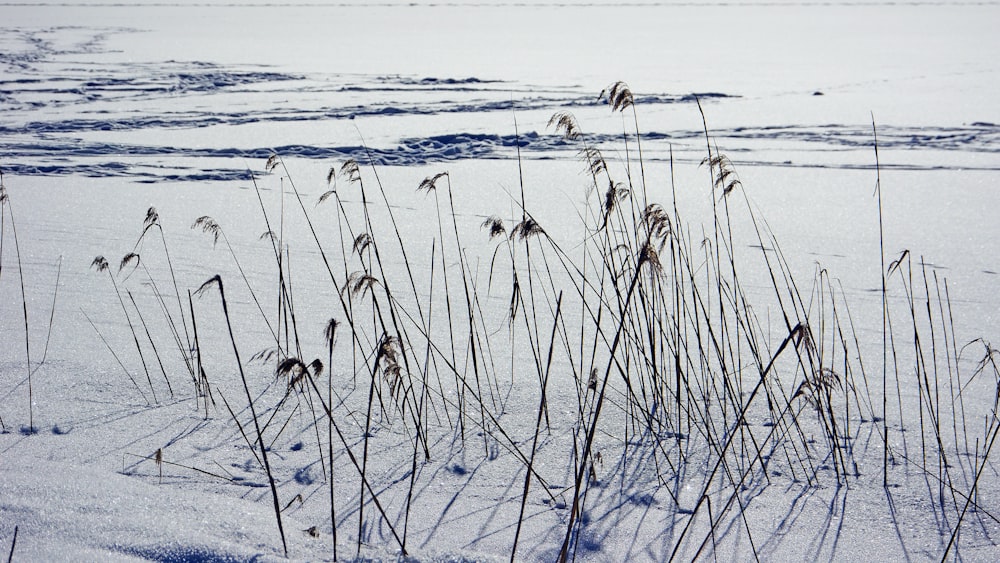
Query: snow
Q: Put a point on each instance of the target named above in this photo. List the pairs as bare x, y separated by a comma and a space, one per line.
109, 110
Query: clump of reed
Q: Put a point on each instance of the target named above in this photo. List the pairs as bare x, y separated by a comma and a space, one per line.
674, 375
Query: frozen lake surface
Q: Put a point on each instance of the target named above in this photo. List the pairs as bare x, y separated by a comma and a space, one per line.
110, 109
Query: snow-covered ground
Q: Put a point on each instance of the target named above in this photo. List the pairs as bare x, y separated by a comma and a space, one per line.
710, 354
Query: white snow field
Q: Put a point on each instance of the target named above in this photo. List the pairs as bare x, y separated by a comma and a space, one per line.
425, 282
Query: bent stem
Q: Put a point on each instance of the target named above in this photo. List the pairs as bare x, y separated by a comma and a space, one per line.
217, 280
5, 202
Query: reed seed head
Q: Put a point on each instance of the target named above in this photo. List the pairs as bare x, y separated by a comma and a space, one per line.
616, 192
152, 218
658, 223
802, 337
358, 283
268, 235
351, 171
272, 162
208, 225
650, 256
330, 333
526, 229
127, 260
565, 123
494, 225
895, 264
618, 96
390, 352
362, 242
821, 384
293, 370
100, 264
390, 348
595, 160
214, 280
430, 183
327, 195
265, 355
726, 178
